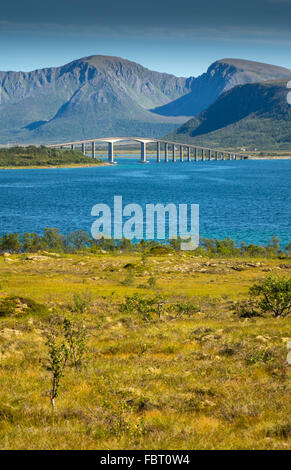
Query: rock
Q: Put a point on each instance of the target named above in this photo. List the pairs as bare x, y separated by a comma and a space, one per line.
261, 338
36, 258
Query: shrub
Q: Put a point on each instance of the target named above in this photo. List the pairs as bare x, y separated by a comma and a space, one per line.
152, 282
273, 295
75, 335
186, 308
31, 242
77, 241
53, 240
247, 309
58, 353
260, 356
10, 243
81, 302
145, 307
64, 344
20, 306
129, 279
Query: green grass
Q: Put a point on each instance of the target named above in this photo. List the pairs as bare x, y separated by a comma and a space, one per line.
210, 380
43, 157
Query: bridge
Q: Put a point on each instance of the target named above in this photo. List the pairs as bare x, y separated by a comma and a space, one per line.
164, 149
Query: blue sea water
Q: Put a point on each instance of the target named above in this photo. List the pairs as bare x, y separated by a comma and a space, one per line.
245, 200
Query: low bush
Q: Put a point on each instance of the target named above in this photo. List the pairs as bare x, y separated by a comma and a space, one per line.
14, 305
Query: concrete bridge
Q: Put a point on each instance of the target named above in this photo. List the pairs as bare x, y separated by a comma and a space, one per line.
165, 149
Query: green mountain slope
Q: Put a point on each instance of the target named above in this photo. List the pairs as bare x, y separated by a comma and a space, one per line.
90, 97
251, 116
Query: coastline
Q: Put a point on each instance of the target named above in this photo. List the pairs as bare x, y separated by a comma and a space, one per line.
54, 167
283, 157
82, 165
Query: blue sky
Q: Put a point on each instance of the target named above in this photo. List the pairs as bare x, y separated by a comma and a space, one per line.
181, 37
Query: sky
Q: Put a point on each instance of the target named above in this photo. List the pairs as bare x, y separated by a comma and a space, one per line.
182, 37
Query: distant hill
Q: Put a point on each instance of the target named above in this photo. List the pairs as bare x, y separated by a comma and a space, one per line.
252, 115
100, 96
221, 76
92, 97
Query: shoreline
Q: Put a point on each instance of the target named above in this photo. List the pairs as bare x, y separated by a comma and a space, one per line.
82, 165
55, 167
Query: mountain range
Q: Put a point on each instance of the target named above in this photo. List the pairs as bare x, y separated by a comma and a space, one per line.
100, 96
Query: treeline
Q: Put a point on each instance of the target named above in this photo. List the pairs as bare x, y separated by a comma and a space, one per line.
42, 156
79, 241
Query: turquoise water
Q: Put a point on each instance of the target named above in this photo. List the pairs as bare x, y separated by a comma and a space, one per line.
245, 200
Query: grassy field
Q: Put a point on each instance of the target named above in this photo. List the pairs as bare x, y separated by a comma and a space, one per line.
43, 157
210, 380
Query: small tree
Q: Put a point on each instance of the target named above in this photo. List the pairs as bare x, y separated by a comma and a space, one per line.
273, 295
65, 344
77, 241
31, 242
10, 242
53, 240
58, 356
75, 335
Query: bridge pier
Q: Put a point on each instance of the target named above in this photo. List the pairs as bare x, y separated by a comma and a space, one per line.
216, 155
173, 153
195, 154
93, 149
202, 155
158, 152
188, 154
166, 153
83, 149
73, 147
209, 155
143, 152
181, 153
110, 152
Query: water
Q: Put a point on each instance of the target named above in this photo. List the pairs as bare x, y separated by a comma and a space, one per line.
245, 200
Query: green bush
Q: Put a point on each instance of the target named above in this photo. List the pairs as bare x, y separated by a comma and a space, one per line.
21, 306
81, 302
273, 295
145, 307
247, 309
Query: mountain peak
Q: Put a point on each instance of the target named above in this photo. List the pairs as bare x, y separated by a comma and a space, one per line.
255, 67
221, 76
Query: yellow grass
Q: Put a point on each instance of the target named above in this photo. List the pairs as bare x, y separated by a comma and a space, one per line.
170, 383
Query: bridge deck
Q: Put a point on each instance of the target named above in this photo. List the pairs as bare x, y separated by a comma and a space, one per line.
146, 140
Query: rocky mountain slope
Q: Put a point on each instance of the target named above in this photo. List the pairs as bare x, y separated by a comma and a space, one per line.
103, 96
220, 77
93, 96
